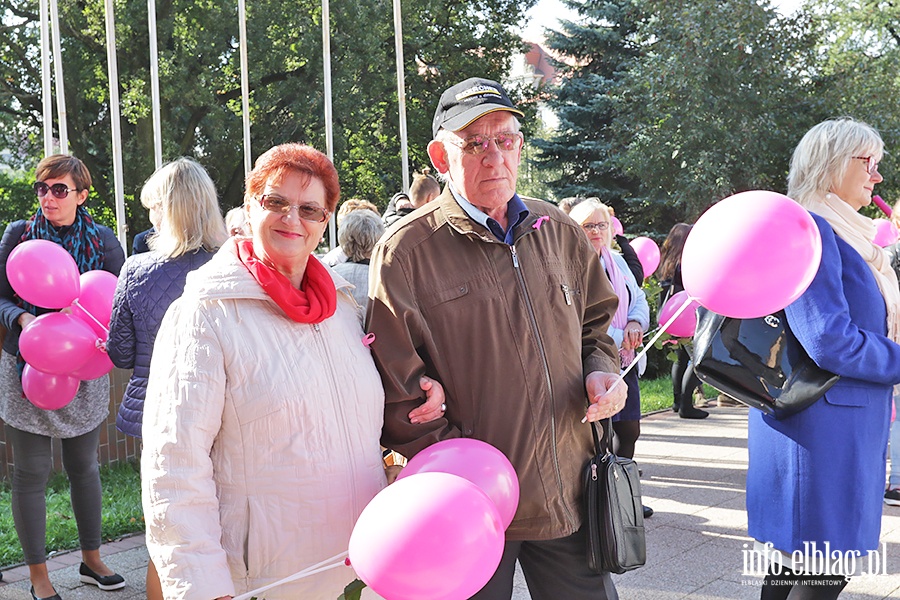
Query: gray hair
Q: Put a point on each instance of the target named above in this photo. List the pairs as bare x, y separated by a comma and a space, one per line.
821, 158
582, 211
359, 232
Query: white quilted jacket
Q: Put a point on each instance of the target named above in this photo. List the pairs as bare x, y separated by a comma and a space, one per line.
260, 439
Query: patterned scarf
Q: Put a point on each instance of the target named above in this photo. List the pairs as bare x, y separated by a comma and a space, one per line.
81, 239
315, 301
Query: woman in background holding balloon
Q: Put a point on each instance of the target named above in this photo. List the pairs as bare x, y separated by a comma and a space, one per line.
264, 408
631, 320
62, 186
189, 229
817, 477
684, 382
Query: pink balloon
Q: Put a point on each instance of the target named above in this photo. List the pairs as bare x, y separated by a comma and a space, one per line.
476, 461
430, 535
617, 226
886, 233
647, 252
96, 300
686, 323
97, 365
48, 391
57, 343
43, 273
751, 254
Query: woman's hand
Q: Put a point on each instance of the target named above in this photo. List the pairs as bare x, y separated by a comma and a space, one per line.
434, 406
633, 336
25, 318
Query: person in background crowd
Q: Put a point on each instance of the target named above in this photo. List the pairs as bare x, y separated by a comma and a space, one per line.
263, 407
139, 244
358, 234
424, 189
505, 303
336, 255
62, 186
628, 253
182, 201
630, 321
817, 477
399, 206
236, 221
684, 381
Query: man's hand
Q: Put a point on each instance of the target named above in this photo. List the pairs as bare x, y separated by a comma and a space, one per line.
434, 406
607, 393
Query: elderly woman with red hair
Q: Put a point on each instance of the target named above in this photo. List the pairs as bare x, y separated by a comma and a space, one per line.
264, 408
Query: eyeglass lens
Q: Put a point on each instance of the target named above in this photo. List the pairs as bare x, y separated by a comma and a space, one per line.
307, 212
478, 144
59, 190
601, 226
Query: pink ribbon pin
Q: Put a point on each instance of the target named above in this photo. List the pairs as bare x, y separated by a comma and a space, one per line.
540, 221
368, 339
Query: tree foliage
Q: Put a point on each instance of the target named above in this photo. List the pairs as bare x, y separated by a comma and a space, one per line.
200, 82
668, 107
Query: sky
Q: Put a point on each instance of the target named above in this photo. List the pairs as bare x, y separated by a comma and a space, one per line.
546, 12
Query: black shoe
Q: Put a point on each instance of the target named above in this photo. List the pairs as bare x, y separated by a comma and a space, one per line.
675, 407
693, 413
53, 597
107, 583
648, 512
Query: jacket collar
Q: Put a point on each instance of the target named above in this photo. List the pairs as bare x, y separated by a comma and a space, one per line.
460, 221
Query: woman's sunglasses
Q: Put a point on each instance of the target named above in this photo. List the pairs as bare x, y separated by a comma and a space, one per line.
59, 190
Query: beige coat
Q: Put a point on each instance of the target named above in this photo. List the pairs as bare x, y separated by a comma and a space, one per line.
260, 439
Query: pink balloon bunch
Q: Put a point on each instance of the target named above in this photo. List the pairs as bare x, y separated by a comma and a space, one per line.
685, 323
647, 252
60, 349
438, 531
751, 254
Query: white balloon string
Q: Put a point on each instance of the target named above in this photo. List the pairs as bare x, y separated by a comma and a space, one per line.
311, 570
647, 346
93, 318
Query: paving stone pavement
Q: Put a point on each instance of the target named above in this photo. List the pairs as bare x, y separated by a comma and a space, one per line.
693, 478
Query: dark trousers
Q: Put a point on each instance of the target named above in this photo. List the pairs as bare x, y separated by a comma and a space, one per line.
32, 463
797, 586
684, 381
553, 569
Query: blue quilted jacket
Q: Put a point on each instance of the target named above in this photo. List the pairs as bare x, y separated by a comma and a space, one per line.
148, 284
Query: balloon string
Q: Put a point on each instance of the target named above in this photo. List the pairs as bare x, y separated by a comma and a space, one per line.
647, 346
312, 570
93, 318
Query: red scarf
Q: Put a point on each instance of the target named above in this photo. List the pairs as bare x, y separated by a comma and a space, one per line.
315, 301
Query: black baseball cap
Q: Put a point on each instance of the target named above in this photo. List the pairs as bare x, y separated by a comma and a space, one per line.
475, 97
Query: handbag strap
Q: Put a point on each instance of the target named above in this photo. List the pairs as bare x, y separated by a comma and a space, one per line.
607, 436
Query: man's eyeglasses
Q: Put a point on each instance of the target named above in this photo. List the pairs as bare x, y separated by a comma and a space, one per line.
478, 144
59, 190
871, 163
599, 226
307, 212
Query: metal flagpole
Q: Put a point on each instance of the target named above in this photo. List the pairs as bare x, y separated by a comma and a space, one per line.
45, 80
114, 118
154, 84
329, 134
401, 93
245, 84
60, 87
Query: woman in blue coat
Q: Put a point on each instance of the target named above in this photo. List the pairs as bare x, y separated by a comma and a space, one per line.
816, 479
182, 199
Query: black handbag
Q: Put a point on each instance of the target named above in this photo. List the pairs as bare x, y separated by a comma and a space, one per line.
758, 362
614, 514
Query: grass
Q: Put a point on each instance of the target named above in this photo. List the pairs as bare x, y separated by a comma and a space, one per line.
122, 512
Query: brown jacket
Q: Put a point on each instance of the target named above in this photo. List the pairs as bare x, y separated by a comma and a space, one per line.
510, 331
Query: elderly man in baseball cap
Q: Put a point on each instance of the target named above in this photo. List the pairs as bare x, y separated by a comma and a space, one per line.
504, 302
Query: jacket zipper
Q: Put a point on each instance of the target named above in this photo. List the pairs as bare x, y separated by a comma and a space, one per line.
342, 417
537, 334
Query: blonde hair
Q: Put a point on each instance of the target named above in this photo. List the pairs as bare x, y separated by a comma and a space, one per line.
190, 217
821, 158
582, 211
424, 188
351, 204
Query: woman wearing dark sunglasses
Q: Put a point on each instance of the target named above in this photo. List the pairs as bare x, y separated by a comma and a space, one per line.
62, 187
264, 409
